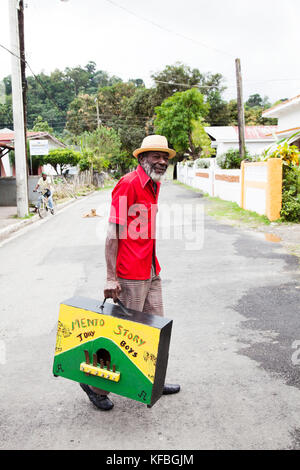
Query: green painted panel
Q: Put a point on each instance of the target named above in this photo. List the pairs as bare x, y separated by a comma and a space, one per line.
133, 383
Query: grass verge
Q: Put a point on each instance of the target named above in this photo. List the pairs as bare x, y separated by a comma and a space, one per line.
31, 214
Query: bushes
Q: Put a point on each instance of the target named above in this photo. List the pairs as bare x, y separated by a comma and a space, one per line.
290, 194
290, 156
231, 159
103, 148
202, 163
290, 211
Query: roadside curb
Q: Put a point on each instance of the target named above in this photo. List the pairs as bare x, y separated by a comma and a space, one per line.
7, 231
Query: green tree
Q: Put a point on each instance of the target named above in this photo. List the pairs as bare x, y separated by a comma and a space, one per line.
40, 125
103, 149
6, 117
179, 77
110, 99
201, 140
174, 78
60, 159
176, 116
254, 100
139, 117
82, 115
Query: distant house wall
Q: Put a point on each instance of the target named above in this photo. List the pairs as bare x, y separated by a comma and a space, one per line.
289, 118
254, 147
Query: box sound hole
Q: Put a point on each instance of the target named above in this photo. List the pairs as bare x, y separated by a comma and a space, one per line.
103, 355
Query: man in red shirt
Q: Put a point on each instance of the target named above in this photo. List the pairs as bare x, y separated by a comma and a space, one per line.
130, 249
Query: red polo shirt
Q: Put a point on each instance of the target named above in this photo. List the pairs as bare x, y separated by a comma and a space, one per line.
134, 206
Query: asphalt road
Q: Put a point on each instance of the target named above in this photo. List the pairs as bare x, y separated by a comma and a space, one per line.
234, 299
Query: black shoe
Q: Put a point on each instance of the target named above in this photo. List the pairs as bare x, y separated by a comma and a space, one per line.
100, 401
170, 389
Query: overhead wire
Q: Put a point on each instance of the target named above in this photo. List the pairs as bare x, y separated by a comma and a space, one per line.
34, 75
176, 33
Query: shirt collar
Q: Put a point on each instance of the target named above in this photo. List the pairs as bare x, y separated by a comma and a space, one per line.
144, 178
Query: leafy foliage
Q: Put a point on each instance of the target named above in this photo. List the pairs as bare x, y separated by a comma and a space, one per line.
171, 79
6, 116
231, 159
62, 158
102, 149
291, 194
176, 116
201, 140
64, 102
40, 125
290, 156
202, 163
81, 115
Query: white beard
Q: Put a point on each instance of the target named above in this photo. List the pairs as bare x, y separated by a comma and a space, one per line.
156, 177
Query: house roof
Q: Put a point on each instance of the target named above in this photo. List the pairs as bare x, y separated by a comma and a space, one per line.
231, 133
7, 138
5, 130
277, 110
291, 131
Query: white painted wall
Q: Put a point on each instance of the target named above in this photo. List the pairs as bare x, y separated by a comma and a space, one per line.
290, 118
255, 198
254, 147
229, 191
204, 184
219, 188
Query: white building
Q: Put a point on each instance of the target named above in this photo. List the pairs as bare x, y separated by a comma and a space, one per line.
257, 138
288, 115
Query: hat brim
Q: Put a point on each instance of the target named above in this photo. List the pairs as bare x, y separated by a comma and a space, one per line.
171, 152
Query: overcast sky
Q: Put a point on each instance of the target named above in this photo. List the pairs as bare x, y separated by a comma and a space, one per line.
206, 34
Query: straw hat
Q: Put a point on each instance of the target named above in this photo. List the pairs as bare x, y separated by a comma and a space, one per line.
155, 143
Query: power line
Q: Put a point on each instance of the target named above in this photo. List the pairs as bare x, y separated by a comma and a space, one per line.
36, 78
169, 30
191, 86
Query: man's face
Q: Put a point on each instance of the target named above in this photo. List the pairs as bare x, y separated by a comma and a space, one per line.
44, 177
155, 164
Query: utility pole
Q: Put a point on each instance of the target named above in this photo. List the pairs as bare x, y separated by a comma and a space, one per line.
18, 111
240, 104
23, 73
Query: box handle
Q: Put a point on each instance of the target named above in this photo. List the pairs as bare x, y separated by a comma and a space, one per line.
122, 306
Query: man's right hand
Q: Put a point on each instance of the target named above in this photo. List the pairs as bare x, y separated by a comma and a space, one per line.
112, 290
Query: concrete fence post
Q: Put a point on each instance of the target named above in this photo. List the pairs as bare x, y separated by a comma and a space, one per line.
274, 188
